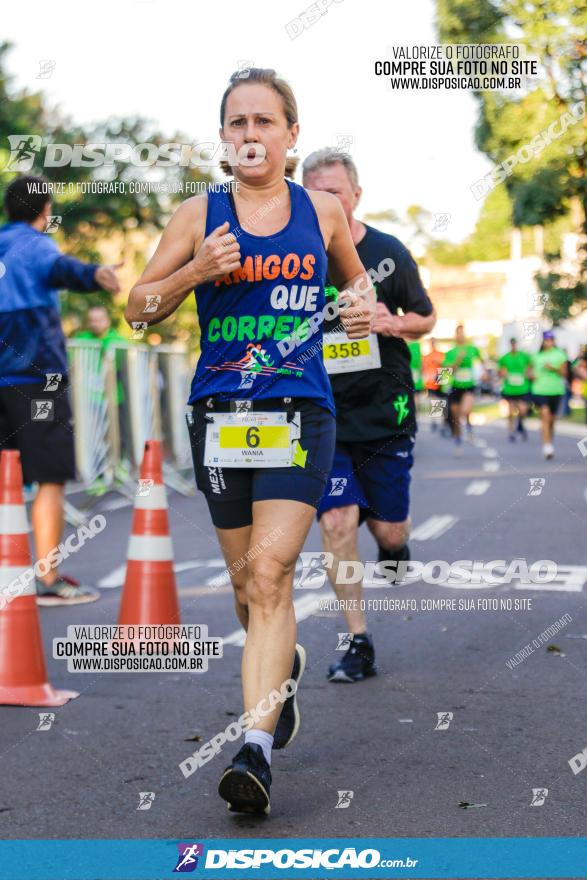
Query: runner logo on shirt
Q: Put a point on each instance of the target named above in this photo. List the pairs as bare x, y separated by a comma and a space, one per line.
338, 485
401, 407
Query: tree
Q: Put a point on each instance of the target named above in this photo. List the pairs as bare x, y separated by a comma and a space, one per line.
551, 184
89, 220
490, 239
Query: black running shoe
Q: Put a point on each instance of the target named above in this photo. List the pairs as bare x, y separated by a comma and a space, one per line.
358, 662
402, 555
289, 720
246, 784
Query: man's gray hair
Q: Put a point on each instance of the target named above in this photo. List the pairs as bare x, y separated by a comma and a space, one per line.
331, 156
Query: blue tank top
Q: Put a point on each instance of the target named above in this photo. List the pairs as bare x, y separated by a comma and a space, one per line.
272, 297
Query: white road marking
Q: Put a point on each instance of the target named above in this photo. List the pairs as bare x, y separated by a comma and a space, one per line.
569, 578
189, 565
304, 607
433, 527
218, 580
490, 453
204, 591
113, 578
115, 504
116, 578
491, 466
477, 487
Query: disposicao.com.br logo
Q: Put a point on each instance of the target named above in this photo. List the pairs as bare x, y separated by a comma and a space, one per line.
329, 859
187, 860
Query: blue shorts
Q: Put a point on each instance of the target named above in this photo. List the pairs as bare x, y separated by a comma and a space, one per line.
230, 492
375, 475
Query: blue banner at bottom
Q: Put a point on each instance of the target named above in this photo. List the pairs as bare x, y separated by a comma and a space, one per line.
408, 858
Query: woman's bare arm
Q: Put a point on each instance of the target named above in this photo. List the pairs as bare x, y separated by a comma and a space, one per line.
183, 260
345, 269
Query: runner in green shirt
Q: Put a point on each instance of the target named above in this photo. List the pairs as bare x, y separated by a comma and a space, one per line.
580, 372
417, 374
513, 369
461, 360
100, 328
549, 366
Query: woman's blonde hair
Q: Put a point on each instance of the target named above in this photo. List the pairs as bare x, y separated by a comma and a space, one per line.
267, 77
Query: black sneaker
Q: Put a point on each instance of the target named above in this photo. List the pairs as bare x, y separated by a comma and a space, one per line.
358, 662
246, 784
289, 720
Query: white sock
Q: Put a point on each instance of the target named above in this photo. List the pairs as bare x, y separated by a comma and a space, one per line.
260, 738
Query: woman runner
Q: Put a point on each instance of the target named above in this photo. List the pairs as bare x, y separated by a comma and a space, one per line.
256, 257
548, 369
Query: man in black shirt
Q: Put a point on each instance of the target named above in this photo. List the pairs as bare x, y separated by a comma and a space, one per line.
375, 409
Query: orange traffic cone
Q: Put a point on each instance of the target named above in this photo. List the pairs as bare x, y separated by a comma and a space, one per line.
23, 674
149, 595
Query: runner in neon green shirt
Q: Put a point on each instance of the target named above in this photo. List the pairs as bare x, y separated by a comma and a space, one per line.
513, 369
549, 367
580, 372
416, 365
100, 330
461, 360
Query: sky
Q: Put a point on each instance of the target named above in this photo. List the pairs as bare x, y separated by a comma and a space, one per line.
170, 61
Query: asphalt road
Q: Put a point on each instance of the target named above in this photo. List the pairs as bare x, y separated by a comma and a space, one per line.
513, 728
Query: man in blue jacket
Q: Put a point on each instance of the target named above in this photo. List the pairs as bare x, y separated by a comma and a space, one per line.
35, 415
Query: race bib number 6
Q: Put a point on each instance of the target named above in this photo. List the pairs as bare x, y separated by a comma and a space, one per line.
262, 439
344, 355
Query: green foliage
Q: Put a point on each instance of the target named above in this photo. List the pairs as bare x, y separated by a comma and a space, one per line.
89, 220
460, 21
490, 239
542, 198
565, 297
544, 188
388, 216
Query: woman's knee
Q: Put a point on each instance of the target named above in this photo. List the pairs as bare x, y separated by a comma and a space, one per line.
269, 583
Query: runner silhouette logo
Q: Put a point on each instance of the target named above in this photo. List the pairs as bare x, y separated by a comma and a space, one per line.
187, 860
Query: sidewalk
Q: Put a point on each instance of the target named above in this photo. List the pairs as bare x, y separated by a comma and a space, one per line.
566, 429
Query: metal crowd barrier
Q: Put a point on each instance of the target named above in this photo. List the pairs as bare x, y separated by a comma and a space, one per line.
88, 402
121, 396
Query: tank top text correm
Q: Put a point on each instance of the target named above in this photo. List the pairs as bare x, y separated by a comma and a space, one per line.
275, 292
282, 299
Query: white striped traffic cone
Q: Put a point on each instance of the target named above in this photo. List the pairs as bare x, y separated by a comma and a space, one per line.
23, 674
149, 595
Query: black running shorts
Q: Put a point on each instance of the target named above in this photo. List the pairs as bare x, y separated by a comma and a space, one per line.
39, 424
230, 492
